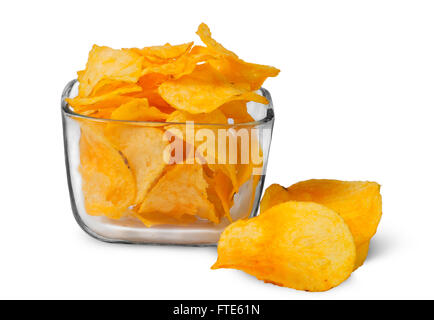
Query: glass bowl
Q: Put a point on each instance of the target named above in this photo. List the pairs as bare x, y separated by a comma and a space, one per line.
135, 191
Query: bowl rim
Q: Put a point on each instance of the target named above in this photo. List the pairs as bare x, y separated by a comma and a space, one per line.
67, 110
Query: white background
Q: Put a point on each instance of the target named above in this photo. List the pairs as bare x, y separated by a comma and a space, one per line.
354, 100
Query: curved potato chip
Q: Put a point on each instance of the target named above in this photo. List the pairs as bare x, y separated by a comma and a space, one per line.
203, 91
107, 63
107, 183
181, 191
253, 167
300, 245
106, 86
234, 69
204, 33
358, 202
274, 195
103, 101
214, 117
143, 148
167, 51
179, 67
225, 191
152, 80
210, 156
236, 110
361, 254
138, 110
244, 73
213, 197
150, 219
154, 100
104, 113
181, 117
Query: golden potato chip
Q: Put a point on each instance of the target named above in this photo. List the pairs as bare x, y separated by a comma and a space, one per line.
143, 148
107, 63
154, 99
179, 67
104, 113
214, 117
300, 245
208, 150
107, 183
203, 91
181, 191
236, 110
229, 170
211, 156
106, 86
176, 127
274, 195
167, 51
234, 69
150, 219
358, 202
213, 197
204, 33
241, 73
361, 254
107, 100
152, 80
138, 110
246, 170
225, 191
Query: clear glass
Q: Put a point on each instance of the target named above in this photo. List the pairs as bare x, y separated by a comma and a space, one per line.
128, 228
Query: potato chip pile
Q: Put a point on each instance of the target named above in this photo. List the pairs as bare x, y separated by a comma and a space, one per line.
121, 164
310, 236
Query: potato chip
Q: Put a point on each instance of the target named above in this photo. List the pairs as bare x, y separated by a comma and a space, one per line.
176, 127
154, 99
181, 191
138, 110
358, 202
107, 86
179, 67
107, 63
213, 197
167, 51
152, 80
150, 219
195, 138
234, 69
107, 183
246, 170
361, 254
211, 156
107, 100
237, 111
203, 91
274, 195
104, 113
143, 148
244, 74
214, 117
204, 33
225, 191
300, 245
